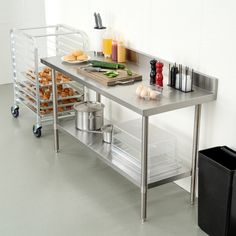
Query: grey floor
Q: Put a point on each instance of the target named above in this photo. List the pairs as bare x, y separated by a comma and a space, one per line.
73, 193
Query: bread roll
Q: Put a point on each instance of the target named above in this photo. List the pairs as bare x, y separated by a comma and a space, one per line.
69, 57
82, 57
77, 53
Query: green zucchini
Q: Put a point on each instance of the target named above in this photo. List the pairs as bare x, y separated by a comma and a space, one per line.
121, 66
107, 65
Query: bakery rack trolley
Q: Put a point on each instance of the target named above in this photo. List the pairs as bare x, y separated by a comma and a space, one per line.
28, 45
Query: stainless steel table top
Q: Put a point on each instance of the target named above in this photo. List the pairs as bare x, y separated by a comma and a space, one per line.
124, 95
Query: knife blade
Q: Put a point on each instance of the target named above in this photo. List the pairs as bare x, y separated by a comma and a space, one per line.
95, 69
96, 21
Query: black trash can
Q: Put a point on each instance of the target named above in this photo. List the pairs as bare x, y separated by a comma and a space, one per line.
217, 191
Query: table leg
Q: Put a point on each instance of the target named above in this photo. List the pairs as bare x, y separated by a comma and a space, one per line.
86, 93
144, 168
98, 97
196, 133
55, 115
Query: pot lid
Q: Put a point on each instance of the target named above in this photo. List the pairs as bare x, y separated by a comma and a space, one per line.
88, 106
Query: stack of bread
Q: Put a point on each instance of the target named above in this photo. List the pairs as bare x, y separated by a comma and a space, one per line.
62, 91
45, 76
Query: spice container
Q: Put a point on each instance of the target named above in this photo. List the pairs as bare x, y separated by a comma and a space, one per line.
153, 72
114, 50
159, 75
186, 81
174, 72
181, 78
121, 52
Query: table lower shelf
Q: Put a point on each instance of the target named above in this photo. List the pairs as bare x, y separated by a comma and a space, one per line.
111, 157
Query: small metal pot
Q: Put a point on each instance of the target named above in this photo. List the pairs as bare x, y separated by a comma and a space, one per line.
107, 131
89, 115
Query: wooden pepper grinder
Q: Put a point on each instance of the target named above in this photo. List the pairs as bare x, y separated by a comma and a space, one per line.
159, 75
153, 72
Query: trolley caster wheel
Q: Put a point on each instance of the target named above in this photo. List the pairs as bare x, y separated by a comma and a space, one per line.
37, 131
15, 111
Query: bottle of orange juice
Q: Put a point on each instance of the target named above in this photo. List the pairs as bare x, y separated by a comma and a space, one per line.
107, 44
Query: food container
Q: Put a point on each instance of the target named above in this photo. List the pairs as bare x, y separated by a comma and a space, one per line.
121, 52
181, 78
89, 115
107, 133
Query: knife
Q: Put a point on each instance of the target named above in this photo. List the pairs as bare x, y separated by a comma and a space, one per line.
96, 21
95, 69
99, 21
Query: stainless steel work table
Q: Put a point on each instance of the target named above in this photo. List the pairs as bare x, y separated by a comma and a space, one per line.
205, 90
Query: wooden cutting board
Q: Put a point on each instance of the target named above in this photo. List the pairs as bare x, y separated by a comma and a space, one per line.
103, 79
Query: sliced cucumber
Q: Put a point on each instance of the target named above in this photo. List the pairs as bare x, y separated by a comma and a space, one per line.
129, 72
111, 74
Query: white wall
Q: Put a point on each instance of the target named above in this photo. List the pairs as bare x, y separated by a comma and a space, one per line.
16, 13
201, 34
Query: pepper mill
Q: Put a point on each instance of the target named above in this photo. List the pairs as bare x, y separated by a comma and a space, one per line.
153, 72
159, 75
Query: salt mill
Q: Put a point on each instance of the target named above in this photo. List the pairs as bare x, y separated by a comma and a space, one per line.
159, 75
153, 72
